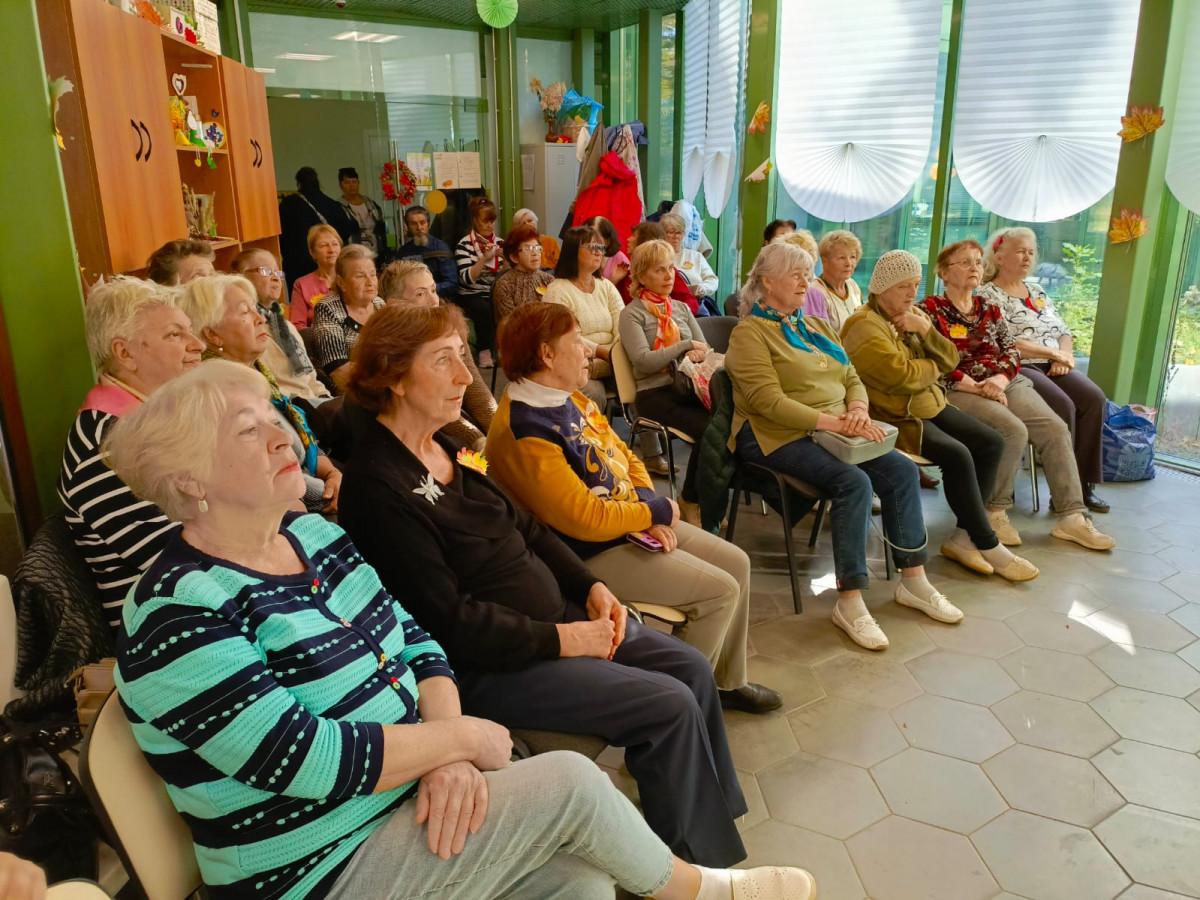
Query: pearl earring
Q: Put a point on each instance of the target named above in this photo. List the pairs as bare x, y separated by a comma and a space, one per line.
203, 505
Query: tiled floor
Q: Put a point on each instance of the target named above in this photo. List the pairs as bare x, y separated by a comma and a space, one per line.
1045, 748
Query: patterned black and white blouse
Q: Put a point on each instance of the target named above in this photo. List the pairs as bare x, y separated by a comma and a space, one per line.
1031, 318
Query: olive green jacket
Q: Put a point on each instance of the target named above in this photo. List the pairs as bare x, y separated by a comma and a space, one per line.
901, 371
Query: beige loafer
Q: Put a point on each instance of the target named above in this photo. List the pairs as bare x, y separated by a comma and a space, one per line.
967, 556
773, 883
1018, 570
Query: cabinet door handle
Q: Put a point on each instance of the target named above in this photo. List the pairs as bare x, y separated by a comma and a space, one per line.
137, 157
149, 141
257, 154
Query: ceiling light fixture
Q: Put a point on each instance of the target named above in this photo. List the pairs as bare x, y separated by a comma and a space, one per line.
264, 71
304, 57
369, 37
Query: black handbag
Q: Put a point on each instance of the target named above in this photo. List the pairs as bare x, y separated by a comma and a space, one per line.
44, 815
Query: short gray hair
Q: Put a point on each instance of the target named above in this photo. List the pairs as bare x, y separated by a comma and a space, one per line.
673, 219
172, 437
990, 267
204, 300
113, 310
777, 259
522, 213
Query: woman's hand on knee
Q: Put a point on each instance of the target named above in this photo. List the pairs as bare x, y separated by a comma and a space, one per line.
453, 799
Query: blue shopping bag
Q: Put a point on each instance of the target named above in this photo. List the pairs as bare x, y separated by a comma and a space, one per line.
1127, 443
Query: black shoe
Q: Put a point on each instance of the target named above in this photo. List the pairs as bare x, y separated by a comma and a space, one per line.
752, 698
1092, 502
928, 482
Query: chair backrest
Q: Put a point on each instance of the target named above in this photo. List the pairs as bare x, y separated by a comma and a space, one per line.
730, 307
623, 373
716, 331
8, 643
152, 839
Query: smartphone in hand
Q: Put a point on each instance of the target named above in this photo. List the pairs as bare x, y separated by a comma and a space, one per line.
645, 540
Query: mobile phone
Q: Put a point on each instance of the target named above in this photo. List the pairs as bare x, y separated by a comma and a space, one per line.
645, 540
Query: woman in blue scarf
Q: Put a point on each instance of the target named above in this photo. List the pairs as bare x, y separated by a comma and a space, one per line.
792, 378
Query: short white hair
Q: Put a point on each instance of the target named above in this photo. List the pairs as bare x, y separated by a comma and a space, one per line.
113, 312
521, 214
204, 300
171, 438
774, 261
990, 267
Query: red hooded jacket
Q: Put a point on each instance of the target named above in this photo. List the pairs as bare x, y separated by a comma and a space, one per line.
614, 195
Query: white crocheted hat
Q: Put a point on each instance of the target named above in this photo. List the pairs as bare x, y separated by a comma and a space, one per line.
894, 267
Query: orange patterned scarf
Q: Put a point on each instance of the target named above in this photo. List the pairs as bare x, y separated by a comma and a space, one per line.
667, 334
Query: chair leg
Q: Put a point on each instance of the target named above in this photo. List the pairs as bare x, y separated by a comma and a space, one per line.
764, 505
495, 370
797, 603
671, 466
887, 559
1033, 479
822, 505
733, 511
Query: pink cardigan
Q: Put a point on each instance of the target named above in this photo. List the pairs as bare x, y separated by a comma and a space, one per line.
306, 293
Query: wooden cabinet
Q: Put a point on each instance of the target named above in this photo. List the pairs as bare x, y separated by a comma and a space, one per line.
250, 148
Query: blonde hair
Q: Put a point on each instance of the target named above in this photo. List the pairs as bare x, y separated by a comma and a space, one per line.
396, 274
315, 233
774, 261
645, 257
802, 238
113, 310
990, 266
171, 438
831, 240
674, 220
205, 300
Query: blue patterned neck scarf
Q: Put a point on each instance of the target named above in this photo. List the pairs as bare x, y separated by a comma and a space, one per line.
797, 334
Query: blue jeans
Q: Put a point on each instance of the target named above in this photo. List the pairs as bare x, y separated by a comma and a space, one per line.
892, 476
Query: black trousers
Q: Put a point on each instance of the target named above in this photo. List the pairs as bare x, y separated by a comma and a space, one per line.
968, 453
478, 308
658, 700
1079, 402
666, 407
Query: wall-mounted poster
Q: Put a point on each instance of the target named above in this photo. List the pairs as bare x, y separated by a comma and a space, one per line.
421, 165
456, 170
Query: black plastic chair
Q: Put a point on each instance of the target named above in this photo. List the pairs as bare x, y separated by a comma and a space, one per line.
716, 331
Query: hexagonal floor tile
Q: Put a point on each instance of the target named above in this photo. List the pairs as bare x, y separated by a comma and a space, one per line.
906, 639
758, 741
958, 676
899, 859
952, 727
1153, 776
938, 790
1186, 585
822, 795
977, 637
756, 807
1188, 616
1191, 655
1037, 857
1157, 848
1141, 892
1137, 594
1054, 631
774, 843
796, 683
1055, 672
1151, 718
1053, 785
867, 679
1184, 558
851, 732
1052, 723
1066, 597
797, 640
1147, 670
1128, 564
1139, 628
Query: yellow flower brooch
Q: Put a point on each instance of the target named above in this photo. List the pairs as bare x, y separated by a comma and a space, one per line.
596, 420
470, 459
958, 331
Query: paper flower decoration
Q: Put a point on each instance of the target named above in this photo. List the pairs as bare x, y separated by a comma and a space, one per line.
958, 331
760, 174
1127, 227
470, 459
398, 182
761, 119
58, 87
497, 13
596, 420
1141, 122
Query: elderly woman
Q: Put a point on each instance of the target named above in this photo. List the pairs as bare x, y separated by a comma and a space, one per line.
1046, 347
385, 787
223, 310
592, 299
410, 283
178, 262
657, 331
814, 300
525, 281
901, 358
324, 246
616, 263
479, 260
791, 378
691, 263
987, 384
285, 354
550, 246
340, 316
557, 456
536, 640
139, 339
840, 252
680, 292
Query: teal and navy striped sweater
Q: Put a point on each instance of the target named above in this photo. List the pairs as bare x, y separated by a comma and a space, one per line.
259, 699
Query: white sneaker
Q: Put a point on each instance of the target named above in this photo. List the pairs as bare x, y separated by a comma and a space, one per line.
773, 883
1079, 528
1003, 528
864, 630
936, 607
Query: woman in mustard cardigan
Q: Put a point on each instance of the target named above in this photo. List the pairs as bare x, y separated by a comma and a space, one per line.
901, 357
791, 378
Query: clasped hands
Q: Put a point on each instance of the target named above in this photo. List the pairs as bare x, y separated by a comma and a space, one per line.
856, 422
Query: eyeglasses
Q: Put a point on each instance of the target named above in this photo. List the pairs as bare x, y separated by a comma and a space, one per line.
595, 248
671, 232
267, 272
536, 249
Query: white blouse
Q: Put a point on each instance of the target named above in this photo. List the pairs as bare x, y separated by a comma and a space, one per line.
1033, 319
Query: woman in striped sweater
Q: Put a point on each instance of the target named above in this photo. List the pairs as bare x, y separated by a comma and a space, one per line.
307, 727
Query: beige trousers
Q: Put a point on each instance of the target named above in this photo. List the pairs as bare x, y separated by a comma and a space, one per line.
706, 578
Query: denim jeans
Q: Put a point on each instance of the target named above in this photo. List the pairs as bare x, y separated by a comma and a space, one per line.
892, 476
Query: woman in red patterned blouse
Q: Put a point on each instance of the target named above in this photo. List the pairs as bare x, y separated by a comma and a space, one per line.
988, 384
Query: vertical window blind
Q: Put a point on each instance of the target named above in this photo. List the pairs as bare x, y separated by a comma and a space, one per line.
1183, 158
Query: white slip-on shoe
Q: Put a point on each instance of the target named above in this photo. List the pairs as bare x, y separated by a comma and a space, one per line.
773, 883
1018, 570
1004, 528
967, 556
936, 607
1079, 528
864, 630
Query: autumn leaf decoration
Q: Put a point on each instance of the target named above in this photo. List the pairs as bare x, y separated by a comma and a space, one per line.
470, 459
1128, 226
762, 118
1141, 122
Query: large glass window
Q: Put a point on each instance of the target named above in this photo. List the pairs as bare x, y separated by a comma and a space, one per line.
1179, 411
548, 61
666, 142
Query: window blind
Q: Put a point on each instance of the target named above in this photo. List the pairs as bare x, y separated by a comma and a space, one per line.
1183, 157
695, 96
